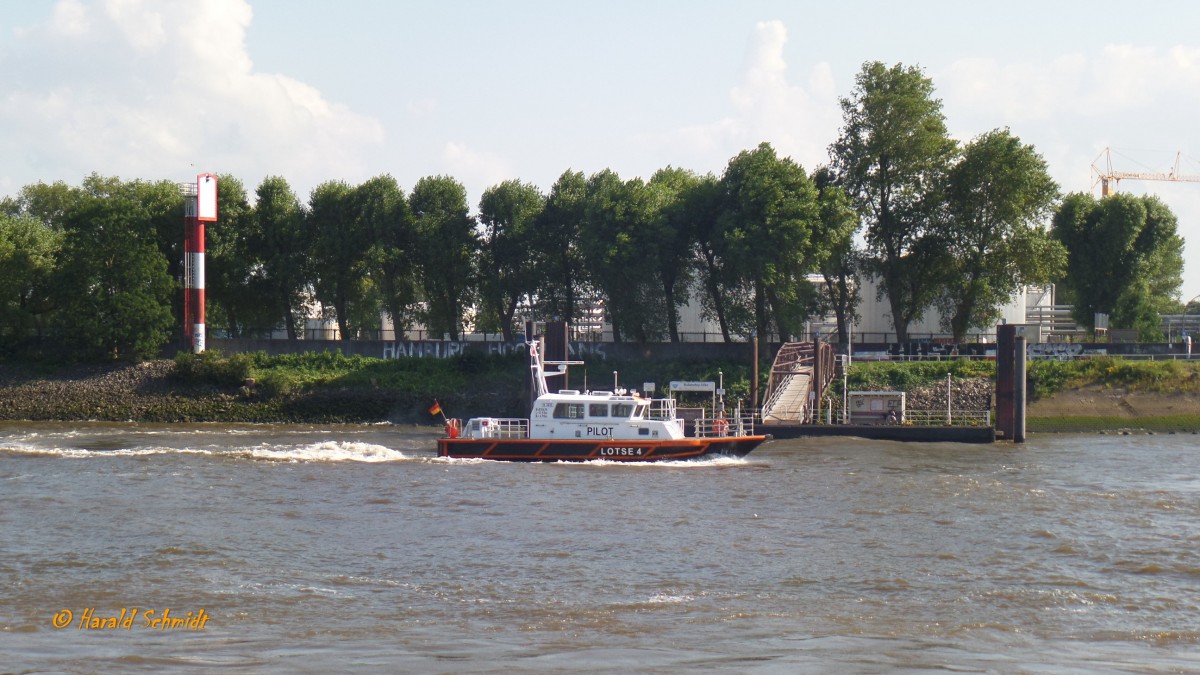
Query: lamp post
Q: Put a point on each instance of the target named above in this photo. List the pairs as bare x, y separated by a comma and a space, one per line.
949, 398
753, 372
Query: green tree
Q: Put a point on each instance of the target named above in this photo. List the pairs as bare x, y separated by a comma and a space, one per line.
163, 205
48, 204
892, 157
336, 221
620, 258
280, 246
842, 261
508, 213
112, 290
1124, 258
998, 195
387, 221
28, 256
769, 217
448, 248
703, 203
555, 248
674, 238
239, 298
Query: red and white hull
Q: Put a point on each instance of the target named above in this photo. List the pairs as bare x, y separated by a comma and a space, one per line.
540, 450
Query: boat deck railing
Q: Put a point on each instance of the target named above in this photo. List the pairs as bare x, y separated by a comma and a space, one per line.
719, 427
503, 428
662, 409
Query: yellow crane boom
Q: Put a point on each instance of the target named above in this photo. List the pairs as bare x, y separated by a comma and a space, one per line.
1108, 178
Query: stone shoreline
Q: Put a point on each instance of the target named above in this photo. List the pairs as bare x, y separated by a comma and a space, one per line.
148, 392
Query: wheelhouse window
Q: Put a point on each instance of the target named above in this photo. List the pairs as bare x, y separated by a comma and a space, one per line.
622, 410
598, 410
568, 411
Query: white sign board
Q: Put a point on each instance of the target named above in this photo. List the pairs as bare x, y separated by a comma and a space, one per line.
687, 385
206, 197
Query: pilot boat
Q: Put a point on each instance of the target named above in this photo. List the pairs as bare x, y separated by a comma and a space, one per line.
574, 426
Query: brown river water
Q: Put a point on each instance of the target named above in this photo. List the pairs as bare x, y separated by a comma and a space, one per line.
136, 548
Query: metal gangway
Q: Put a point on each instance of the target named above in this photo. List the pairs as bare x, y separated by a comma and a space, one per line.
799, 376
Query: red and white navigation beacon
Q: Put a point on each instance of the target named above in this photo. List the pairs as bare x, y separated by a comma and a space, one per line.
199, 207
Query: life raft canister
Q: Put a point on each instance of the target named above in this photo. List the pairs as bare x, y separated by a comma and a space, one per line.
452, 428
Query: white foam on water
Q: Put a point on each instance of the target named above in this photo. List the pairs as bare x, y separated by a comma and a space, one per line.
663, 598
325, 451
82, 453
328, 451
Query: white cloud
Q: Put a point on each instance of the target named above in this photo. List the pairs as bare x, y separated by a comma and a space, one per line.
425, 107
1137, 99
799, 122
69, 18
1118, 79
146, 89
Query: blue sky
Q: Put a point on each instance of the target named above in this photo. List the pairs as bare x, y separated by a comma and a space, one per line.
488, 91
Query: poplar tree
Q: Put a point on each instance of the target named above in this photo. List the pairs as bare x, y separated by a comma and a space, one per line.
281, 249
447, 252
892, 157
508, 213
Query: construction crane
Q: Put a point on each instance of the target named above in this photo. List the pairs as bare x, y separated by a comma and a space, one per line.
1108, 179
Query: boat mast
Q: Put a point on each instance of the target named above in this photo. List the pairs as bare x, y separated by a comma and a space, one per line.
535, 367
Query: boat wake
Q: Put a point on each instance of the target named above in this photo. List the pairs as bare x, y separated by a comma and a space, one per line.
329, 451
83, 453
325, 451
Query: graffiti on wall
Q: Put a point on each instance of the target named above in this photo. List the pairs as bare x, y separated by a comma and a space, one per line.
448, 349
423, 350
1063, 351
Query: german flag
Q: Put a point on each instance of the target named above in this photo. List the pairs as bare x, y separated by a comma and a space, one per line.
436, 409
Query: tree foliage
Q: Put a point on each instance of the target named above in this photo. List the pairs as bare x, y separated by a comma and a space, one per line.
892, 157
391, 253
769, 219
112, 290
617, 251
555, 249
335, 232
447, 251
1124, 258
28, 252
674, 237
508, 213
240, 301
841, 260
997, 196
281, 247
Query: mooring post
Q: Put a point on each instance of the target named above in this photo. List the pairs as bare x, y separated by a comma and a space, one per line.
1005, 350
1019, 353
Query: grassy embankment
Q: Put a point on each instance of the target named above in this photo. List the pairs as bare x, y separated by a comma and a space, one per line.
1109, 393
327, 387
1097, 394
